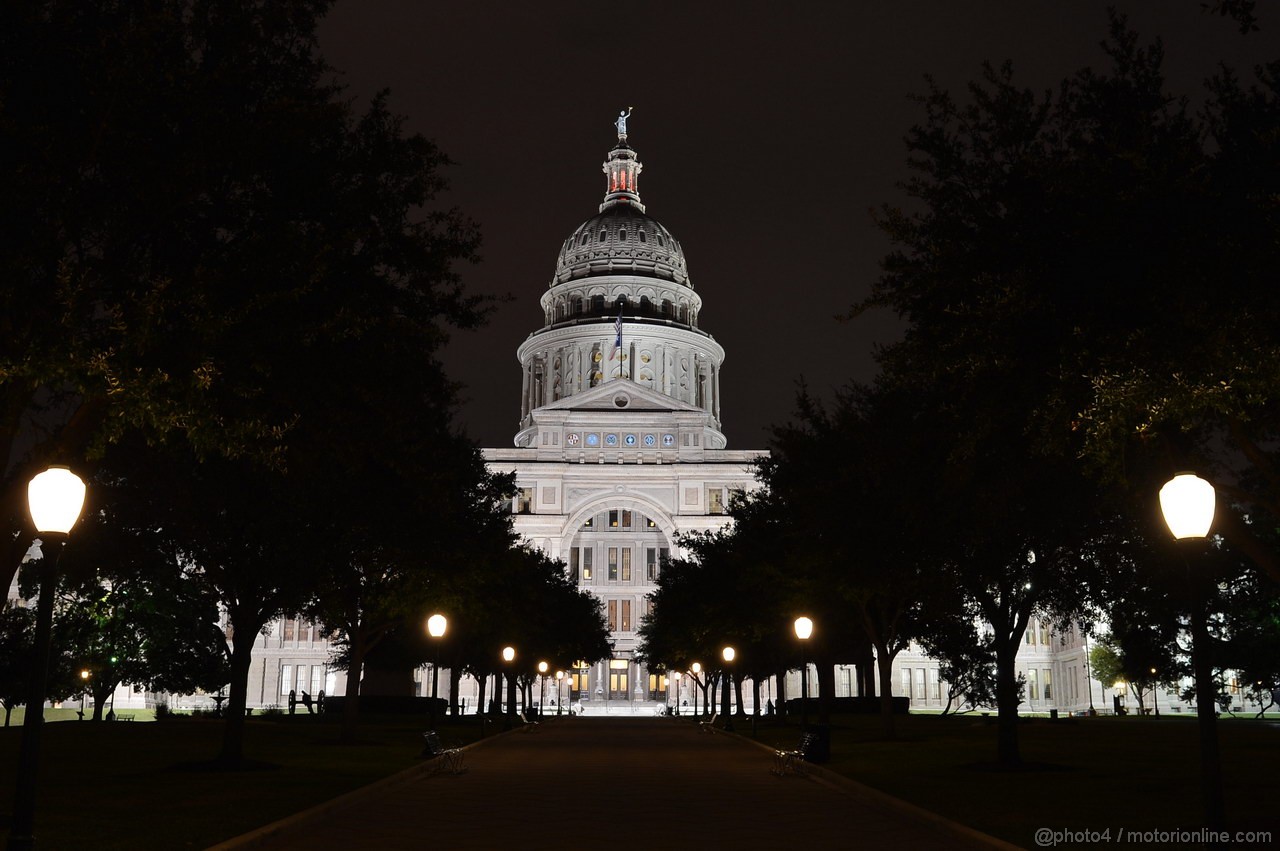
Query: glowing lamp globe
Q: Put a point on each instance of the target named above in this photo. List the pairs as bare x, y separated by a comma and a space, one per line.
675, 676
542, 667
728, 653
696, 667
436, 625
1187, 502
559, 675
508, 653
55, 498
804, 628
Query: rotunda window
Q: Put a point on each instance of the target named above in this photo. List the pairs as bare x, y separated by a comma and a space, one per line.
642, 239
603, 234
622, 235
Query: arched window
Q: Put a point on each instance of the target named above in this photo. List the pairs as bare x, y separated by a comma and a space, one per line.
642, 239
576, 306
684, 312
622, 304
662, 242
666, 309
622, 235
603, 234
585, 237
597, 304
646, 306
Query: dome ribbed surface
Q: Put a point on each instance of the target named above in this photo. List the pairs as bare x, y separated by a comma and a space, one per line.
621, 240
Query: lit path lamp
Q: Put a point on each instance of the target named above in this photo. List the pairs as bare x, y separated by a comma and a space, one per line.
694, 670
728, 654
436, 626
542, 686
804, 630
559, 699
674, 677
509, 656
84, 689
55, 499
1187, 503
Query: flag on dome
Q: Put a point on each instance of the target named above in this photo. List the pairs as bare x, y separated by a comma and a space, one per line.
617, 330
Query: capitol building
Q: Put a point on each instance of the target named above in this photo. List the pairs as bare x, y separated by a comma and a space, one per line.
619, 450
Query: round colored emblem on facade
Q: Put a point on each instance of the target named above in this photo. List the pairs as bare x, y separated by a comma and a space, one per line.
571, 438
629, 440
650, 440
610, 440
668, 440
593, 440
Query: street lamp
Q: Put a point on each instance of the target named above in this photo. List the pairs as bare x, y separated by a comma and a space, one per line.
55, 498
1187, 503
436, 626
728, 653
508, 656
542, 686
674, 677
84, 689
804, 629
559, 699
695, 669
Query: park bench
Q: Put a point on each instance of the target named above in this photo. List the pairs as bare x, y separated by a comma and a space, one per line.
709, 725
529, 726
450, 759
793, 762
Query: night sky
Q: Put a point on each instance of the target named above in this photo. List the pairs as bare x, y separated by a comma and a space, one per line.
768, 132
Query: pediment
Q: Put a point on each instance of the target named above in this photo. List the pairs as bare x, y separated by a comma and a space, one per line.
620, 395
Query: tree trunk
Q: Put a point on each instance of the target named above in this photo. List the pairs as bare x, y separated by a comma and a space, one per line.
755, 697
351, 701
480, 716
864, 664
737, 690
100, 696
1007, 699
826, 677
884, 665
726, 708
8, 711
781, 705
237, 699
455, 682
511, 695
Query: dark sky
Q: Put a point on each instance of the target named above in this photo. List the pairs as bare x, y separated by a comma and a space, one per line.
767, 131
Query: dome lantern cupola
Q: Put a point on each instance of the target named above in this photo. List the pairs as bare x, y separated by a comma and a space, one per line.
622, 170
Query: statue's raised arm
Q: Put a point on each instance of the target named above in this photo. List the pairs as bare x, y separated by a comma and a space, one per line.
621, 123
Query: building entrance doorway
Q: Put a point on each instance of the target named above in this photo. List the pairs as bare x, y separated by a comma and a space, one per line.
619, 670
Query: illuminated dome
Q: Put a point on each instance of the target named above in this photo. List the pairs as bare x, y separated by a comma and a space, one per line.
620, 307
621, 240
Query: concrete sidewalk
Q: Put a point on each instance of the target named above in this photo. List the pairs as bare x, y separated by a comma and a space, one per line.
617, 781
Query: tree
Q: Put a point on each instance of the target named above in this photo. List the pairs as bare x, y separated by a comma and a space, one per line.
1101, 255
17, 631
189, 200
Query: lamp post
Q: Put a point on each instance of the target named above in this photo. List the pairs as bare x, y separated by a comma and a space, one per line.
559, 699
55, 498
674, 676
694, 670
436, 626
542, 686
84, 689
1187, 503
804, 629
508, 656
728, 654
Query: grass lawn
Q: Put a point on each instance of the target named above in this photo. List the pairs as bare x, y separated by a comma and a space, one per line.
1125, 773
117, 785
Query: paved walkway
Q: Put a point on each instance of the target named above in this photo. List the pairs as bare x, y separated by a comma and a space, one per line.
556, 788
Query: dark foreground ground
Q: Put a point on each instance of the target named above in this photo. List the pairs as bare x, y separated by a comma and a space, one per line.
617, 783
